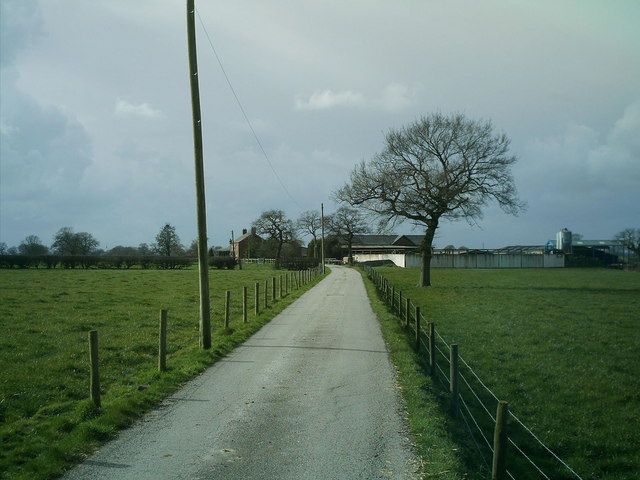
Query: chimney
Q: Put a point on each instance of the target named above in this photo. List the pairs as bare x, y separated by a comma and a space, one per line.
244, 231
253, 231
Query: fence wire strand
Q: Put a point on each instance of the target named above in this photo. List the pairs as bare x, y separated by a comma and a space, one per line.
544, 446
476, 424
477, 397
442, 339
442, 372
530, 461
478, 378
474, 439
444, 355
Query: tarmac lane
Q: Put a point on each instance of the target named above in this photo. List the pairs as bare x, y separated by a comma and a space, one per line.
312, 395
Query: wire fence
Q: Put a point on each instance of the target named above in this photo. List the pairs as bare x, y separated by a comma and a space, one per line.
475, 403
27, 393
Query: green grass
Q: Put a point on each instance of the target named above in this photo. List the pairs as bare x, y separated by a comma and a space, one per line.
46, 420
562, 346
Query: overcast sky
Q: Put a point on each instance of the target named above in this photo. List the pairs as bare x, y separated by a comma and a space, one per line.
96, 116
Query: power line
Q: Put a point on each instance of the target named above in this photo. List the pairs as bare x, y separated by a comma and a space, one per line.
244, 114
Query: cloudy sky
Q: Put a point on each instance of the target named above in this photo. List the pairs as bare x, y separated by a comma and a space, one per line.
96, 116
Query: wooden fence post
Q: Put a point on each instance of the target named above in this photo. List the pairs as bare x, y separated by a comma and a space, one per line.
273, 289
227, 307
400, 303
94, 382
244, 305
287, 284
257, 298
499, 467
407, 312
417, 328
266, 293
393, 298
432, 348
162, 348
453, 379
280, 286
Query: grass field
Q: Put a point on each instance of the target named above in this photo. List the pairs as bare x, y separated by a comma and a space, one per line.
562, 346
46, 420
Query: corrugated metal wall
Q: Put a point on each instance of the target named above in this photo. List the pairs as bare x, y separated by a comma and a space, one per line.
472, 260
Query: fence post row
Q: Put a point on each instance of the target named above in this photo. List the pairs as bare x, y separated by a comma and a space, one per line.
162, 347
94, 380
500, 439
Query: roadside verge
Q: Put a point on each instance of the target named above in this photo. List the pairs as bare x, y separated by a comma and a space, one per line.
441, 456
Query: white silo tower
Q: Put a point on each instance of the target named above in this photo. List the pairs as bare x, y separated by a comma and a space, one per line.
563, 240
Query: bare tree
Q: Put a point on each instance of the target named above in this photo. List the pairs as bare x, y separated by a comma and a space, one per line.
630, 239
346, 223
439, 167
309, 223
275, 224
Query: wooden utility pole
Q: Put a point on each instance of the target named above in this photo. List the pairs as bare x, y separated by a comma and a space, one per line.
322, 241
205, 304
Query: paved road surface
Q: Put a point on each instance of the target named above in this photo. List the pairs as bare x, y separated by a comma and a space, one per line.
310, 396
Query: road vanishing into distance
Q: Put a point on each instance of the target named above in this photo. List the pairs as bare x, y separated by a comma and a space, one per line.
312, 395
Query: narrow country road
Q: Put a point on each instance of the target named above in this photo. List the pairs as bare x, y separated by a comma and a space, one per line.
310, 396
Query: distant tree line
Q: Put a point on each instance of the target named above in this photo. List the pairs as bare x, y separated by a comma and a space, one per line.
71, 249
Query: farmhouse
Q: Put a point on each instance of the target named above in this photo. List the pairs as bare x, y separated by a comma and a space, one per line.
246, 244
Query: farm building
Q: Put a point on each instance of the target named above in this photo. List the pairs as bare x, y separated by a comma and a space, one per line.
245, 245
376, 244
404, 251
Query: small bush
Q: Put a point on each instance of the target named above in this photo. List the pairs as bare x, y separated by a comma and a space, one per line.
223, 262
297, 263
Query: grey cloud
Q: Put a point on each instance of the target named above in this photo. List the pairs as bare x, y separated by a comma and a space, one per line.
393, 97
20, 24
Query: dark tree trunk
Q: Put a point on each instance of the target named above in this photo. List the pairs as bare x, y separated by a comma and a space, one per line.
427, 248
350, 250
280, 243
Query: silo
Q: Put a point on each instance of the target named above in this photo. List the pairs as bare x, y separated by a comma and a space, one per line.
563, 240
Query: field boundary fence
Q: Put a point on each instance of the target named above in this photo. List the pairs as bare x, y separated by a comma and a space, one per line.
505, 445
103, 359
